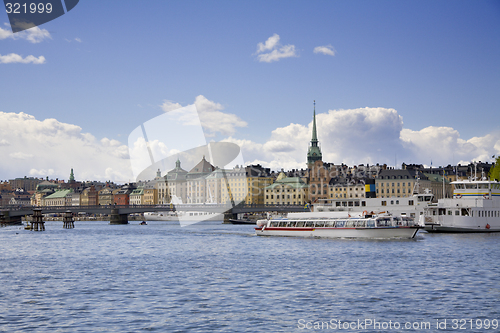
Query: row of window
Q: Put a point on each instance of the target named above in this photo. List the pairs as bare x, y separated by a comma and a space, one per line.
398, 184
283, 196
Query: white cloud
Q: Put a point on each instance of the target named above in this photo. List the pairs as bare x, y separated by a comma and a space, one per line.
367, 135
4, 142
51, 148
270, 44
78, 40
326, 49
33, 35
41, 172
20, 155
271, 50
212, 118
168, 106
16, 58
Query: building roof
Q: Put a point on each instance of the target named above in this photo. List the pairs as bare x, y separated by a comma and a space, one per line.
58, 194
289, 182
202, 167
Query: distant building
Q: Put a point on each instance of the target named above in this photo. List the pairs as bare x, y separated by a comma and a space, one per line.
287, 191
58, 198
319, 175
196, 183
27, 184
176, 180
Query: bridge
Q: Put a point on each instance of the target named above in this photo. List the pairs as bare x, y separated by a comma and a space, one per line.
119, 213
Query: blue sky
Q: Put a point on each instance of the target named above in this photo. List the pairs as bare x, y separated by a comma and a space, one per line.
109, 66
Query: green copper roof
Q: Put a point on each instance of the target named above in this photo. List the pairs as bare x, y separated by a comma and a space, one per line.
58, 194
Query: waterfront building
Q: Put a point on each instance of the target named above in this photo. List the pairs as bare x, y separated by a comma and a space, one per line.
215, 183
287, 191
345, 188
161, 186
196, 183
58, 198
27, 184
122, 195
89, 196
150, 194
20, 197
257, 179
399, 183
105, 196
76, 197
234, 187
436, 186
176, 180
137, 196
43, 189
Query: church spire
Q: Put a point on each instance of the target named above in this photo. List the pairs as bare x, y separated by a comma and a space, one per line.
71, 176
314, 152
314, 134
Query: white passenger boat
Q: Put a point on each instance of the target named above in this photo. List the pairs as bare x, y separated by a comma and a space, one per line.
339, 225
475, 207
160, 216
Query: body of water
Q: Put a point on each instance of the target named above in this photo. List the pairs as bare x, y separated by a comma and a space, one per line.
222, 278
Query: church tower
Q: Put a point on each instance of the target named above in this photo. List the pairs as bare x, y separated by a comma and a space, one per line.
314, 152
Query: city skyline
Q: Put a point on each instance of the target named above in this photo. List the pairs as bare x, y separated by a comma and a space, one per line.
393, 82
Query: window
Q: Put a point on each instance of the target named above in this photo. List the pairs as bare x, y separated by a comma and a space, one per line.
384, 203
410, 202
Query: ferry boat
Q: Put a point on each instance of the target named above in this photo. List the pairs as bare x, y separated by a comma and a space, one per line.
339, 225
475, 207
412, 206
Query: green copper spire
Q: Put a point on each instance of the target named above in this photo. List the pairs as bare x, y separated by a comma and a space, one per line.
315, 135
178, 163
314, 153
71, 176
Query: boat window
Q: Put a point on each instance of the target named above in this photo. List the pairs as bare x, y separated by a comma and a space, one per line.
274, 223
300, 224
397, 202
356, 203
398, 220
384, 203
370, 223
465, 212
412, 215
293, 224
360, 224
384, 222
309, 224
363, 203
410, 202
392, 202
450, 212
320, 224
470, 186
350, 224
340, 224
330, 224
434, 212
442, 211
483, 186
457, 213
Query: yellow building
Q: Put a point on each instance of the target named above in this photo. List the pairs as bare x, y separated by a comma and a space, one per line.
287, 191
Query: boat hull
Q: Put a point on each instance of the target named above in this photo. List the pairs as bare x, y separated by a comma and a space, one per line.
390, 232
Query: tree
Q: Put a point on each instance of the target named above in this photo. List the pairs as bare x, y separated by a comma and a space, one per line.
495, 171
